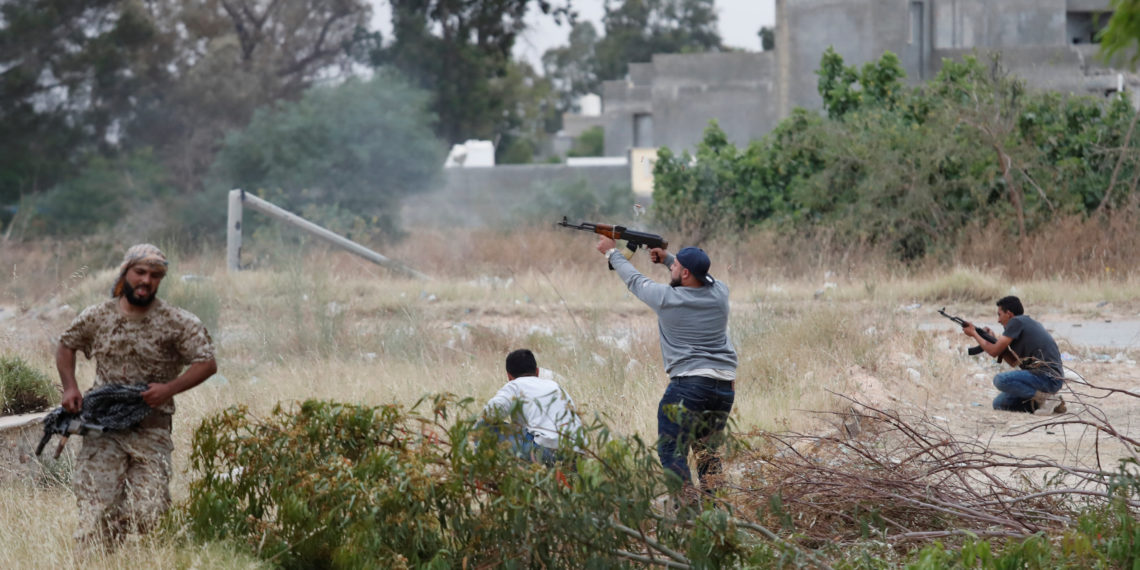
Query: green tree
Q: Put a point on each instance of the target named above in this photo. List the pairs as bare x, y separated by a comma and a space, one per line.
70, 69
232, 57
846, 88
102, 80
457, 50
767, 38
100, 195
533, 113
637, 29
345, 154
573, 68
592, 142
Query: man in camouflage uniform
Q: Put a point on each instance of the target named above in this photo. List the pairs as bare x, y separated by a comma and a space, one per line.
122, 478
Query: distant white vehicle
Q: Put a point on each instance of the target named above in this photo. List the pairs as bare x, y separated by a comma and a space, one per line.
471, 154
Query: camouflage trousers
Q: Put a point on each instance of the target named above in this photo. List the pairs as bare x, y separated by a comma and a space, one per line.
122, 484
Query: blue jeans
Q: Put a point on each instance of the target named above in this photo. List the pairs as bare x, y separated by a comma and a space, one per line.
693, 412
522, 443
1017, 387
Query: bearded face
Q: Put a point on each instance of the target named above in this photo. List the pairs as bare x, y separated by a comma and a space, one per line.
139, 299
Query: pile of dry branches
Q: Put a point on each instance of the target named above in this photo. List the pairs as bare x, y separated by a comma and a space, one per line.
911, 479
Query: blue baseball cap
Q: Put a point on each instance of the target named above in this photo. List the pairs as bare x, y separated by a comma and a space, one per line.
697, 262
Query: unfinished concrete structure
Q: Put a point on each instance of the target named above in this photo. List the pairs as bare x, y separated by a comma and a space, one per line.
669, 101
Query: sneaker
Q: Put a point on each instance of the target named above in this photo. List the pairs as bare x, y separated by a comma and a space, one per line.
1038, 401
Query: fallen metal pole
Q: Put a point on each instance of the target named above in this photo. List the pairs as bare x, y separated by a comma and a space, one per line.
233, 240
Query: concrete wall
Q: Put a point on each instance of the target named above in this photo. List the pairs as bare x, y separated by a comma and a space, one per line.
735, 89
621, 102
998, 23
1088, 5
859, 30
808, 28
19, 436
478, 197
1054, 68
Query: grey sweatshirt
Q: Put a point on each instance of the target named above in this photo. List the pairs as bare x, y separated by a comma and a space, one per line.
693, 321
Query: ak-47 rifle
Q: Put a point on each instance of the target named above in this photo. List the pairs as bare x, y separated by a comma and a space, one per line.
65, 424
633, 238
981, 332
105, 408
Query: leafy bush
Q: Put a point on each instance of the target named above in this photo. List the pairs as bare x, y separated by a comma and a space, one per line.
909, 170
592, 142
23, 389
518, 151
104, 191
327, 484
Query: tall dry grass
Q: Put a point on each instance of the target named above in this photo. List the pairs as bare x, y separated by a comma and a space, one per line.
308, 322
1102, 246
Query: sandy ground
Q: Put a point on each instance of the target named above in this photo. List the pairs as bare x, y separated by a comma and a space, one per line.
1102, 387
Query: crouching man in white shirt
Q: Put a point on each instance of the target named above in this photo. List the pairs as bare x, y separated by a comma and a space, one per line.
531, 411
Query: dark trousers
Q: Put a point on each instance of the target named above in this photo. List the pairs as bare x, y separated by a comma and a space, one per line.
693, 413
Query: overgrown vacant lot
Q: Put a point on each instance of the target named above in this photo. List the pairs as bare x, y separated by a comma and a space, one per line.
819, 338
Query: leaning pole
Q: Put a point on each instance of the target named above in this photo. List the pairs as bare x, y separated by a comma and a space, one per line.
239, 199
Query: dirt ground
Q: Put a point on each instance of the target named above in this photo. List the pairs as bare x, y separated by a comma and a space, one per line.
1102, 386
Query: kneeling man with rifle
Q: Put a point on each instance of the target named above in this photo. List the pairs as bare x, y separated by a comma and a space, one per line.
1024, 344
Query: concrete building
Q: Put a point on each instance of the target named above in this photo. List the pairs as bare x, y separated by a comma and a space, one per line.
669, 101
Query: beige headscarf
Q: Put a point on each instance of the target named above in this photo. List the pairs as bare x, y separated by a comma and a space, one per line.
140, 253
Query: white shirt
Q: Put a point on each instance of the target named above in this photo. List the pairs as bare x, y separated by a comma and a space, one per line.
547, 410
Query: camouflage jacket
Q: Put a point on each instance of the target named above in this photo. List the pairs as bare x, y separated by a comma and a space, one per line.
155, 347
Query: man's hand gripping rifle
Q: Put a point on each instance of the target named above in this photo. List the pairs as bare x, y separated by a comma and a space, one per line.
975, 350
633, 239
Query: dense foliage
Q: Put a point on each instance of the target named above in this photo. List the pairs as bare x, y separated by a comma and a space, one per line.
910, 168
330, 485
105, 103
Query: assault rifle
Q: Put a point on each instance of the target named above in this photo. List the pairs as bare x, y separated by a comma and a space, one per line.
65, 424
981, 332
107, 407
633, 239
